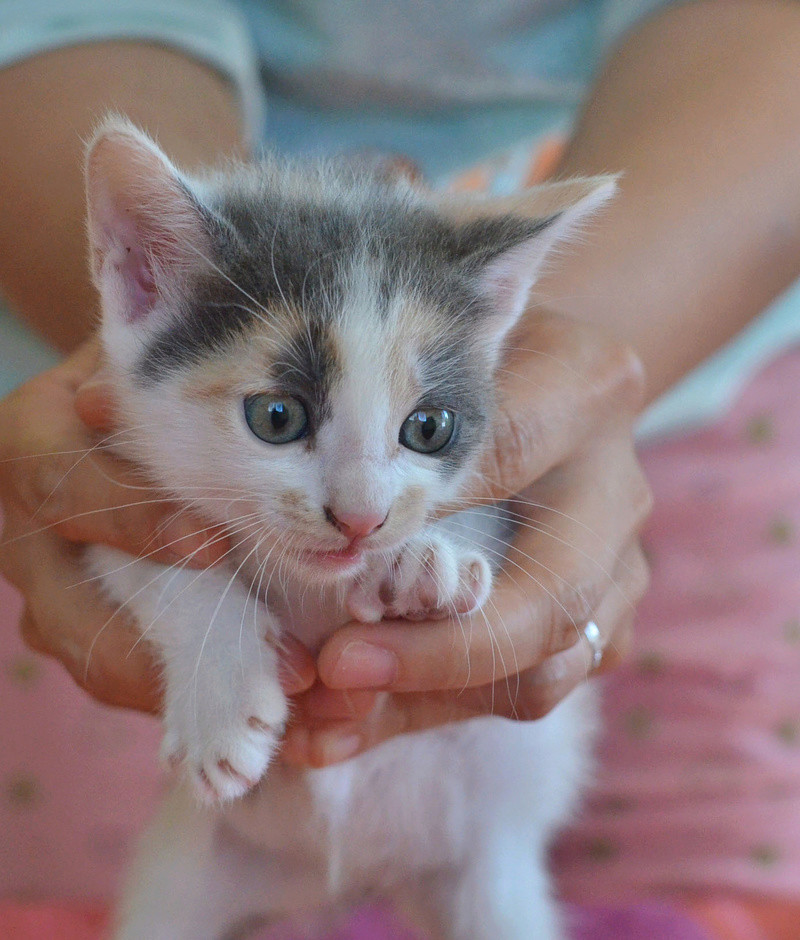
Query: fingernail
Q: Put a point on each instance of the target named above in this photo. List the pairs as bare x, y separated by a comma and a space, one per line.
336, 747
363, 666
93, 384
293, 679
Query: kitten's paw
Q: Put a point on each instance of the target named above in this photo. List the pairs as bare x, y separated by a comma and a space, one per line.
225, 743
432, 578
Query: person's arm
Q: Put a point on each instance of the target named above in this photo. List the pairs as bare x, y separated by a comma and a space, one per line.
700, 110
49, 106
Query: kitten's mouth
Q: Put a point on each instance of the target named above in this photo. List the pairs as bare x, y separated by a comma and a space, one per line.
340, 559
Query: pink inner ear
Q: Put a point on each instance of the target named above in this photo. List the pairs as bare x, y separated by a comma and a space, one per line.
145, 232
508, 279
124, 263
137, 274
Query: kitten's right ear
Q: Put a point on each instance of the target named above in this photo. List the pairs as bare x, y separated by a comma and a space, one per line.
146, 231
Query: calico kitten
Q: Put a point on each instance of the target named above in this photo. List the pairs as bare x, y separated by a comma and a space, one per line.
306, 355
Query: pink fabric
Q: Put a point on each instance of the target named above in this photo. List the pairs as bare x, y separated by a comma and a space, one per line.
83, 922
699, 782
700, 771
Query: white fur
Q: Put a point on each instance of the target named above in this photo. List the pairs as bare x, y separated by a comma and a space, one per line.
454, 823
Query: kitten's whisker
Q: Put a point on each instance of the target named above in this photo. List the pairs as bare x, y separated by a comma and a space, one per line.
214, 540
86, 453
233, 578
136, 593
475, 503
174, 571
512, 697
535, 527
60, 453
286, 304
562, 362
93, 512
267, 322
258, 573
506, 561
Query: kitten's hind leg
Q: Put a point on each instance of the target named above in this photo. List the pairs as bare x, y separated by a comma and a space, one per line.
168, 886
190, 882
497, 897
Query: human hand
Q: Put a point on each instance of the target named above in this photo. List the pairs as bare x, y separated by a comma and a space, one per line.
59, 491
563, 441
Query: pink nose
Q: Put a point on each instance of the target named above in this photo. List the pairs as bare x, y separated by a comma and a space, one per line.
355, 525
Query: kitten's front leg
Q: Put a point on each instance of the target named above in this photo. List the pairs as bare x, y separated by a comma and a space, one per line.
433, 576
224, 709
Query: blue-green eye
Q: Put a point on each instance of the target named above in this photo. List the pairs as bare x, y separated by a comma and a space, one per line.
276, 419
427, 430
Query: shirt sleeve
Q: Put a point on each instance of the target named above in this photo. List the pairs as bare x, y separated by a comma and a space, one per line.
212, 31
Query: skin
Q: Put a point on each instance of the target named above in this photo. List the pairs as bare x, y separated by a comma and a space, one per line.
701, 237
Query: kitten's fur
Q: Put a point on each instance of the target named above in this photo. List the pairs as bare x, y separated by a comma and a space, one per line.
367, 301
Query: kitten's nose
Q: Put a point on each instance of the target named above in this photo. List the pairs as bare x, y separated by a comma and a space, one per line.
355, 525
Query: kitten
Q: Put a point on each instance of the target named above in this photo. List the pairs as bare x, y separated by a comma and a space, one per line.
306, 355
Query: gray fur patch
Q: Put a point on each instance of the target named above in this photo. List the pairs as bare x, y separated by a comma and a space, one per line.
286, 239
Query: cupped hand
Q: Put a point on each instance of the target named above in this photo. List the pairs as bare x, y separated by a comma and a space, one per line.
563, 456
59, 491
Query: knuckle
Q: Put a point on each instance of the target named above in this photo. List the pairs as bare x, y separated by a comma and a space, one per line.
640, 575
536, 699
31, 634
517, 438
12, 565
619, 646
620, 378
627, 376
96, 676
642, 499
44, 492
574, 603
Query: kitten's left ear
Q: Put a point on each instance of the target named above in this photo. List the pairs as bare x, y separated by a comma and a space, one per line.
513, 237
146, 231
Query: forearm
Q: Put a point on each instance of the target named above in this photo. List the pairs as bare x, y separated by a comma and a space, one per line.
48, 107
700, 111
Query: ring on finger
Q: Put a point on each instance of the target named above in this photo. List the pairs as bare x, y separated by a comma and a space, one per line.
592, 634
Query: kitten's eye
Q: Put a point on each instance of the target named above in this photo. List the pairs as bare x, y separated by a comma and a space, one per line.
274, 419
427, 430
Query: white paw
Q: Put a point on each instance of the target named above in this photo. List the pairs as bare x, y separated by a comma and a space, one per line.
222, 732
431, 578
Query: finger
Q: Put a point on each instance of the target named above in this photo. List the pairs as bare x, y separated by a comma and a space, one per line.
526, 697
60, 477
558, 569
83, 363
90, 497
538, 691
320, 705
559, 383
322, 746
95, 404
29, 631
333, 742
297, 671
97, 644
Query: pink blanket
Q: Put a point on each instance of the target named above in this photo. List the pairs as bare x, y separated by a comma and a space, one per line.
700, 778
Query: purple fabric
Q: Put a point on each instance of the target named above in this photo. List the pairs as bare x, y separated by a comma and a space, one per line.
636, 922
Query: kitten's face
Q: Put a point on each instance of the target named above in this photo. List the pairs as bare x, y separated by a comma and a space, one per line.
334, 434
307, 356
